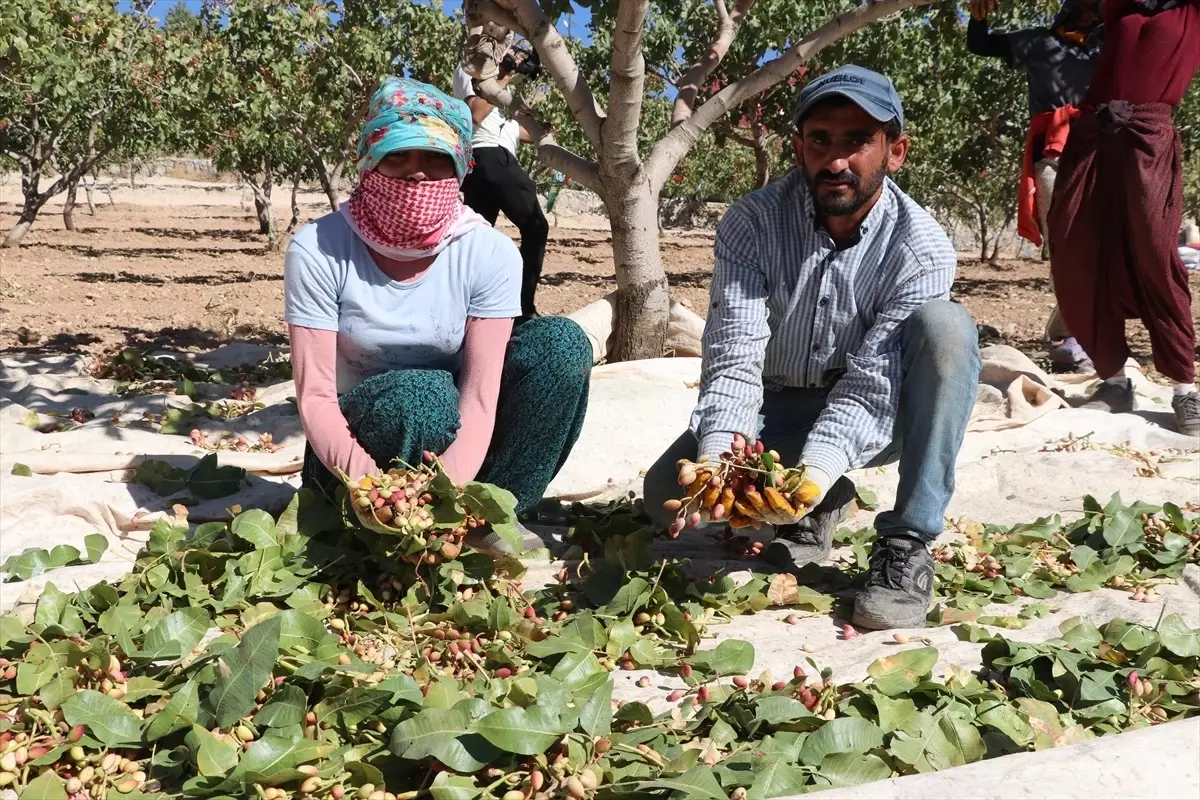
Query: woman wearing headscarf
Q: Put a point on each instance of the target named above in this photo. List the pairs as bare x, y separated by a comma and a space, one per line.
1059, 61
1118, 204
400, 310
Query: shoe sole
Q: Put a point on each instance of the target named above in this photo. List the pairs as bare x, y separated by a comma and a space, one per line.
873, 623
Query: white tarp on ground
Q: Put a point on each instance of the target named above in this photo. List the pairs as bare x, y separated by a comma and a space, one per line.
1028, 454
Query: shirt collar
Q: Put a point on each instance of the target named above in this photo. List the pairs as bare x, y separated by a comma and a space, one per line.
875, 217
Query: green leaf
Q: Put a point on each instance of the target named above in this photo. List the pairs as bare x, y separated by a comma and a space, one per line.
779, 710
176, 634
46, 786
576, 667
625, 601
525, 731
1122, 528
50, 607
447, 786
286, 707
298, 629
496, 505
852, 769
698, 783
209, 481
1177, 637
351, 706
955, 742
110, 721
274, 757
444, 734
244, 671
140, 688
777, 778
22, 471
731, 657
1008, 721
595, 718
1083, 556
180, 712
60, 687
161, 477
1080, 633
256, 527
128, 617
901, 672
214, 757
96, 544
841, 735
899, 714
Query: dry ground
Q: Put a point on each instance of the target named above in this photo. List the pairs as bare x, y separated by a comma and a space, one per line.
185, 267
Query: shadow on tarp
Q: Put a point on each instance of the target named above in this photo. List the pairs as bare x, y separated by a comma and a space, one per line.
254, 491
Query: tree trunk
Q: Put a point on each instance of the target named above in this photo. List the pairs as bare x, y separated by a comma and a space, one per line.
69, 206
983, 235
330, 181
295, 220
643, 297
87, 192
29, 212
262, 204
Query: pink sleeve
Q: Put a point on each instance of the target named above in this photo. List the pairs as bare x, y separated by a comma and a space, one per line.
484, 347
314, 359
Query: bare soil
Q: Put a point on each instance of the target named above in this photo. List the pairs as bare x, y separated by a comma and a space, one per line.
188, 268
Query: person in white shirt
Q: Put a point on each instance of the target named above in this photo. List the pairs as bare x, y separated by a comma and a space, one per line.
499, 184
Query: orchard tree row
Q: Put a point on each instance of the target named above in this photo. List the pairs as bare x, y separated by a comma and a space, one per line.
269, 90
688, 98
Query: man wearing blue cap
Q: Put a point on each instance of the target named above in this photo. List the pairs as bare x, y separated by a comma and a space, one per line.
831, 338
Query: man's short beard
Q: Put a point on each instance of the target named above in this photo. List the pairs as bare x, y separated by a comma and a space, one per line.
861, 192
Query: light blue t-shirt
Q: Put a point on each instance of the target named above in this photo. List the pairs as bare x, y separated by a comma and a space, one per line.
332, 283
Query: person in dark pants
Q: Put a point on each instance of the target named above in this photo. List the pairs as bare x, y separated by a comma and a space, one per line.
499, 184
1058, 61
1118, 205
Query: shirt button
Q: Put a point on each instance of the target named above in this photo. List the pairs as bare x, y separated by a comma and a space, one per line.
824, 301
816, 348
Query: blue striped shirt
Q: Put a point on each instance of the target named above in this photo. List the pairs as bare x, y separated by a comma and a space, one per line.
790, 309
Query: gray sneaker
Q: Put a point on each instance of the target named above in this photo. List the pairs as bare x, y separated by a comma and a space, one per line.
899, 586
811, 539
486, 540
1114, 395
1187, 413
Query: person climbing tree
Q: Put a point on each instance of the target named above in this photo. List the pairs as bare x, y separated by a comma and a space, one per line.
1058, 61
1118, 204
498, 183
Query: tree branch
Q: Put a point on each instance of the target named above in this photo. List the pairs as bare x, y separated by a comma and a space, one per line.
549, 151
689, 85
556, 59
627, 83
675, 145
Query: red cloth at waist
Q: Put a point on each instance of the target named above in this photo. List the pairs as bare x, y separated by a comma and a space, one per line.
1054, 126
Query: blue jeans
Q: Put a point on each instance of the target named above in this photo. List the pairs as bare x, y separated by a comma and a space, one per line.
940, 356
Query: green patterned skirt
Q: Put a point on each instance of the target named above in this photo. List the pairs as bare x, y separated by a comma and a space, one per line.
543, 399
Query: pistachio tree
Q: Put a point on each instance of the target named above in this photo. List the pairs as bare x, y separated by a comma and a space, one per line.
683, 43
78, 80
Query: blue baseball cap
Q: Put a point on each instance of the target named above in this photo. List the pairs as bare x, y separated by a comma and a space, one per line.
870, 91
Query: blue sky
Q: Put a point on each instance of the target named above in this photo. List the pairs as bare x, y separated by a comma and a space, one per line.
575, 23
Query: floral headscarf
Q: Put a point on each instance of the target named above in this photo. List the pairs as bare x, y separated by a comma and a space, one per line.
410, 115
